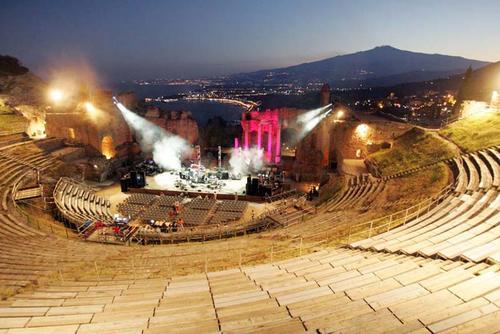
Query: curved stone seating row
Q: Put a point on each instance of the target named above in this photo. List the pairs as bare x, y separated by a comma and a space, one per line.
478, 171
27, 254
357, 195
331, 291
78, 203
465, 225
334, 290
13, 138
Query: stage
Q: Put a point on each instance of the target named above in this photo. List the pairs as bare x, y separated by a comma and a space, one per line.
168, 181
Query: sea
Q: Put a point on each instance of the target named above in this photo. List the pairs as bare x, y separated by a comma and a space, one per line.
202, 111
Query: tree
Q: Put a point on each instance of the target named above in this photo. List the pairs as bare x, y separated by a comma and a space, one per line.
11, 66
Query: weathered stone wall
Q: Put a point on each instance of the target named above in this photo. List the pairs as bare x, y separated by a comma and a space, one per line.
183, 125
331, 142
90, 129
180, 123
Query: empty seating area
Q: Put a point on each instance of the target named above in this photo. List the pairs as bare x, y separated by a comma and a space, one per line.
197, 211
142, 199
199, 203
13, 138
466, 225
194, 217
232, 206
330, 291
78, 203
27, 254
228, 211
144, 206
360, 193
168, 201
439, 273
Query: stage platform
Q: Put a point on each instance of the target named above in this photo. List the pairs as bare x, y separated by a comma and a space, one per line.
167, 181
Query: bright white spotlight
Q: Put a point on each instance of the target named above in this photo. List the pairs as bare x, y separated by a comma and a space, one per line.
495, 99
55, 95
90, 107
362, 131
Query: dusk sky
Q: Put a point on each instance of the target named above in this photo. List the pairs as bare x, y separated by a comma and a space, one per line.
125, 40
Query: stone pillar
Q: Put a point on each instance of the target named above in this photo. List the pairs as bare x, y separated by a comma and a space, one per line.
277, 156
246, 134
269, 142
259, 136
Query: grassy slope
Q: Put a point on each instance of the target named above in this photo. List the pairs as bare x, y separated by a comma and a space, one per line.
412, 149
12, 123
475, 132
420, 185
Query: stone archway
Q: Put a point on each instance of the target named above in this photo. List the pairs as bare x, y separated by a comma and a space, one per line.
71, 133
108, 147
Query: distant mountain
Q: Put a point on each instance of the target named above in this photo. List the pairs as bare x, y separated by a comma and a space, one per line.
381, 66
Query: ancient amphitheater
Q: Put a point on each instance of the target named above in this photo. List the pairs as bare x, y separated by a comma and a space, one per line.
430, 268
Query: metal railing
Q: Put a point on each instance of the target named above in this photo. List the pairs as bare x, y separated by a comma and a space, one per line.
386, 223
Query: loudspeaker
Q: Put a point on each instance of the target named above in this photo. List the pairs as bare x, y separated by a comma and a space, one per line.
255, 186
137, 179
140, 180
124, 184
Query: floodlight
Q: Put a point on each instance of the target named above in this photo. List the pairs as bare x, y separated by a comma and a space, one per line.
90, 107
362, 131
55, 95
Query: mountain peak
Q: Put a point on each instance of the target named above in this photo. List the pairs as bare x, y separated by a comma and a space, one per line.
385, 47
382, 65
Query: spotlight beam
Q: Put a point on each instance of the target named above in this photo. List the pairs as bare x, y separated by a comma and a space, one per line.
312, 123
306, 117
315, 121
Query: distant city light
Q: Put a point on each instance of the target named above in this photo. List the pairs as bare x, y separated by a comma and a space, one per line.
55, 95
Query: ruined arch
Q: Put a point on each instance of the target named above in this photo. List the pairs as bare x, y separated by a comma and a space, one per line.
71, 133
108, 147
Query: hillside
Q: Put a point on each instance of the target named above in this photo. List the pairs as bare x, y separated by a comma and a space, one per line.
381, 66
415, 148
479, 84
475, 132
21, 94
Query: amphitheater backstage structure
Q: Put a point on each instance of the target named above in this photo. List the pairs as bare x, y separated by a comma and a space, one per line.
430, 267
